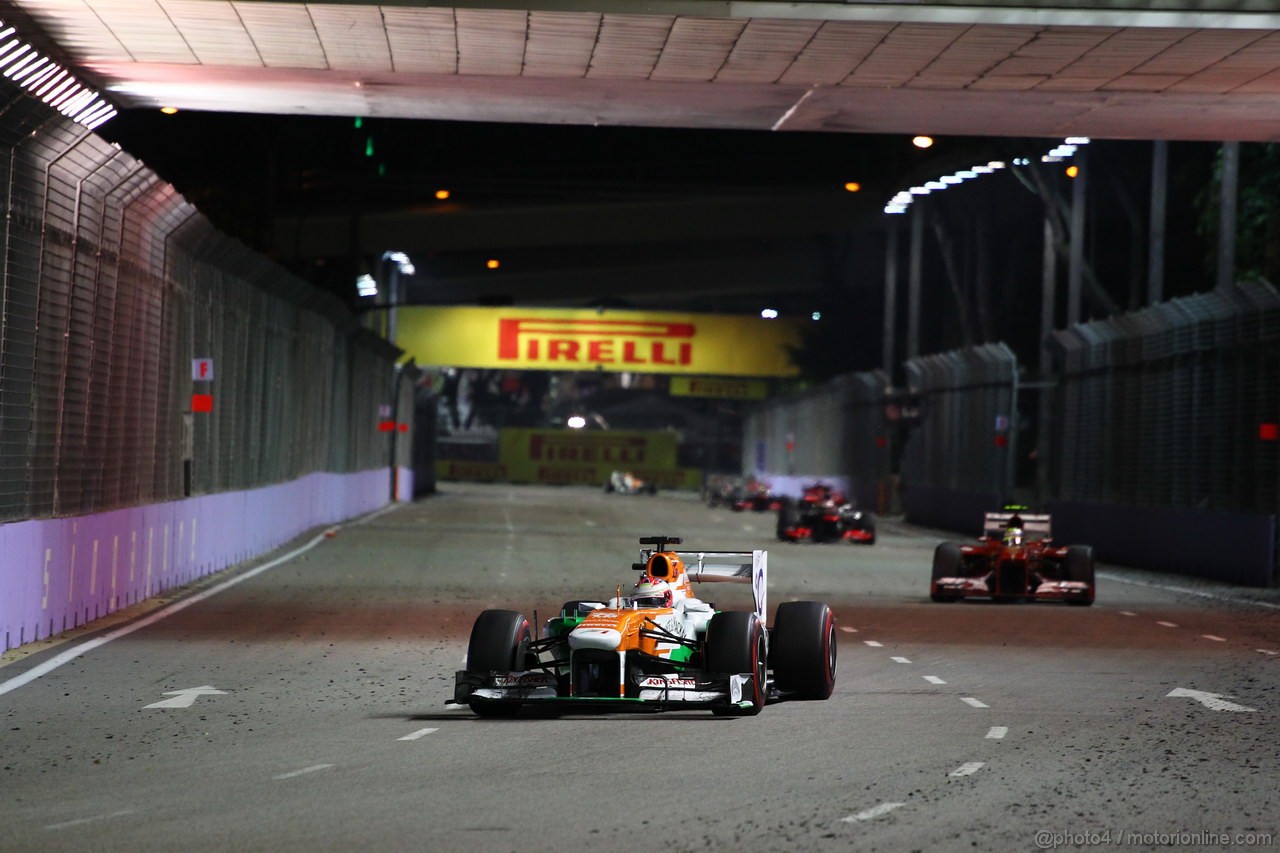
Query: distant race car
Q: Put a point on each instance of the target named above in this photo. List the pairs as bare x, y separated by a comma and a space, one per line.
823, 514
626, 483
658, 647
1014, 560
757, 497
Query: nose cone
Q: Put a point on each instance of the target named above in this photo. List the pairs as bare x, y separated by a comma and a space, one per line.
584, 637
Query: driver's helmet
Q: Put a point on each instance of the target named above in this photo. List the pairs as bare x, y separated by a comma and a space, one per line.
652, 593
1013, 536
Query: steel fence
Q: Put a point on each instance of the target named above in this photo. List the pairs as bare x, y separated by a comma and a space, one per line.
1174, 406
110, 285
966, 437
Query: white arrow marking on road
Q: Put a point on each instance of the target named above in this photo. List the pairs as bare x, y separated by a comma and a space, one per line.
185, 698
419, 733
900, 660
968, 769
1267, 651
1168, 624
997, 732
848, 630
969, 700
933, 679
1127, 613
869, 814
1212, 701
1214, 638
873, 644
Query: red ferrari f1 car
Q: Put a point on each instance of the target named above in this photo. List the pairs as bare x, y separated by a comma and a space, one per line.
1014, 560
823, 514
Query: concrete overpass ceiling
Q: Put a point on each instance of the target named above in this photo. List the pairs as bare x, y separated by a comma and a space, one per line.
1175, 69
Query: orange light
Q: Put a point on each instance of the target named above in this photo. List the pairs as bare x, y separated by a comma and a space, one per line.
168, 110
1072, 171
922, 141
492, 264
442, 194
853, 186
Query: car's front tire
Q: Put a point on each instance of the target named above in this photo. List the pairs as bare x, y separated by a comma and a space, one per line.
736, 644
946, 564
1079, 567
804, 649
499, 643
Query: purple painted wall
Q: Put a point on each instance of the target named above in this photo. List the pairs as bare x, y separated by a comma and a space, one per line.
59, 573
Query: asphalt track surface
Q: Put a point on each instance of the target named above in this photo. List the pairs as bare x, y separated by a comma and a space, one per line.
953, 726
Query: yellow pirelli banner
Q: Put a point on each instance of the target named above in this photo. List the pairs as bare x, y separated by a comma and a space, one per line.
583, 457
718, 387
564, 339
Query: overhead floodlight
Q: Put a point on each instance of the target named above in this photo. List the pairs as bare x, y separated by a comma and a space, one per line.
922, 141
1077, 140
366, 286
895, 208
816, 315
966, 174
935, 185
576, 422
920, 190
50, 82
769, 313
950, 180
996, 164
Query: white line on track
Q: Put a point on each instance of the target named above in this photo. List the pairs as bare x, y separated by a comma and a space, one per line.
1267, 651
997, 732
848, 630
872, 813
900, 660
933, 679
84, 648
83, 820
1127, 613
969, 700
1214, 638
1168, 624
419, 733
873, 644
1183, 589
968, 769
312, 769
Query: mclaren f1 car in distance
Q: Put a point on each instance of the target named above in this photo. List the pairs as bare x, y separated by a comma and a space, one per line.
1014, 560
627, 483
824, 514
657, 647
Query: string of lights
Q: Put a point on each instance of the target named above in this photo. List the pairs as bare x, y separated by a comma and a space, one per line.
903, 200
49, 81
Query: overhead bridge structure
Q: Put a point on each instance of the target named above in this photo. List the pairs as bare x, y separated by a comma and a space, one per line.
1168, 69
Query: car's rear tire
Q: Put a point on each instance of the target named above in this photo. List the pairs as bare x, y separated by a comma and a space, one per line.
499, 643
1079, 567
946, 564
788, 517
736, 644
804, 649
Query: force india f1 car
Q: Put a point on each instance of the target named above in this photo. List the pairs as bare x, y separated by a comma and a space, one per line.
659, 647
1014, 560
824, 515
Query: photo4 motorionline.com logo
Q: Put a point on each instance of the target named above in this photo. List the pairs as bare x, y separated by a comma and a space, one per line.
1046, 840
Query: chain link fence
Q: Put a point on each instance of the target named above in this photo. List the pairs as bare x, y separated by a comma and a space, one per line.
110, 285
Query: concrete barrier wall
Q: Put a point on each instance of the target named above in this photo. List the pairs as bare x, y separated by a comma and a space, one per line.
60, 573
1235, 547
948, 509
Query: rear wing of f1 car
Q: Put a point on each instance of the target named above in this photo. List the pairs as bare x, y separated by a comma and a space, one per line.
727, 567
1034, 525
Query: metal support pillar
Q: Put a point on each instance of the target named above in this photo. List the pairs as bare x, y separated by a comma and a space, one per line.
1048, 300
1075, 263
1159, 199
1227, 213
890, 296
913, 279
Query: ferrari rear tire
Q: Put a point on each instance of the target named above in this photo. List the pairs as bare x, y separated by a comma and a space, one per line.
946, 564
499, 643
804, 649
736, 644
1079, 567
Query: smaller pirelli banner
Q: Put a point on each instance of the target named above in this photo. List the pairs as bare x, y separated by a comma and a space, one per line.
581, 457
719, 388
563, 339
